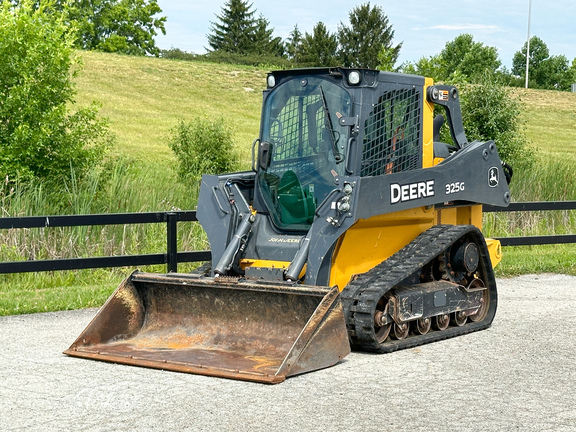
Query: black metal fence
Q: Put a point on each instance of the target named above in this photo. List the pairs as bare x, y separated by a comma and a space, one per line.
172, 256
535, 206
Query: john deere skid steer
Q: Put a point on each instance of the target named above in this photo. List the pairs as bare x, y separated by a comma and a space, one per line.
356, 228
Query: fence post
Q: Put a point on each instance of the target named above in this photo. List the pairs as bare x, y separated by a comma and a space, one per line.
172, 242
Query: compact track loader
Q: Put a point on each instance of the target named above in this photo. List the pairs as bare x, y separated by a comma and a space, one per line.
356, 228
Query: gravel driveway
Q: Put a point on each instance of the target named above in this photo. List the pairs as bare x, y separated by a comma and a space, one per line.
518, 375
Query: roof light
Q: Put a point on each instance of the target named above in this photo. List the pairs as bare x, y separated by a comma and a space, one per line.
271, 80
354, 78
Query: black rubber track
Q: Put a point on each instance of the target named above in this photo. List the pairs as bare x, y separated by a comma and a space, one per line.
361, 295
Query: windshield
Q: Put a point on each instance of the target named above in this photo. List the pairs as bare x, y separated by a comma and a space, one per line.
301, 122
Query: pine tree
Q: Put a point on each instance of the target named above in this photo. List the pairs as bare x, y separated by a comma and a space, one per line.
263, 42
319, 48
293, 46
238, 32
235, 32
369, 33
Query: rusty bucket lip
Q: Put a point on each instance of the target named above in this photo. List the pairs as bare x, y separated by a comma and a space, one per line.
236, 374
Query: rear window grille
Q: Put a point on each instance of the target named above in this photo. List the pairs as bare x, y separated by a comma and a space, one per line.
392, 134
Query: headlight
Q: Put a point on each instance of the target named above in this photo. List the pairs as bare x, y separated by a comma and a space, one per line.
354, 78
271, 80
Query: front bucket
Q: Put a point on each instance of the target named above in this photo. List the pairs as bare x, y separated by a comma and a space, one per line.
242, 330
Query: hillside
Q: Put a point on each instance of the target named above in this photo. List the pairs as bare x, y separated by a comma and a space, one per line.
550, 118
144, 97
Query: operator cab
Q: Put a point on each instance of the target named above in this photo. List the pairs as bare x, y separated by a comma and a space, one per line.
302, 147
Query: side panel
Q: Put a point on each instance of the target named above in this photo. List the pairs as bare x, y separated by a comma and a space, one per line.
370, 241
215, 215
473, 174
220, 201
468, 215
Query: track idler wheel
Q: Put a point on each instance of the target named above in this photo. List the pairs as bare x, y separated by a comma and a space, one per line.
441, 322
401, 331
459, 260
466, 257
381, 325
422, 326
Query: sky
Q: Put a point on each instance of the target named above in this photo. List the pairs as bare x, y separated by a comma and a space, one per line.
423, 26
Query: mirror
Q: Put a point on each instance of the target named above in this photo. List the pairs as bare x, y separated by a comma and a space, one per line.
264, 155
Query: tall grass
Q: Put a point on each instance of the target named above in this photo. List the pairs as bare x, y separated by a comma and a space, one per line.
546, 180
549, 180
122, 186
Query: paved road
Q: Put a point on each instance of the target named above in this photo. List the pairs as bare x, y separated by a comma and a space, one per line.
518, 375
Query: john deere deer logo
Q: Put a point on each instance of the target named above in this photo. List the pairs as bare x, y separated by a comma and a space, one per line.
493, 177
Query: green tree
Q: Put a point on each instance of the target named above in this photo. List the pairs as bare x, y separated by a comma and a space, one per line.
463, 56
123, 26
538, 54
557, 74
368, 36
234, 31
387, 60
39, 136
432, 67
319, 48
264, 42
238, 32
545, 71
293, 45
572, 72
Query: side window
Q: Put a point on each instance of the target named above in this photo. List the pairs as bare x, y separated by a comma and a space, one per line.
392, 134
291, 130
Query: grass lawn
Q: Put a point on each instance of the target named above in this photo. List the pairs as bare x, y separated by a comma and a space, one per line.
537, 259
144, 97
550, 118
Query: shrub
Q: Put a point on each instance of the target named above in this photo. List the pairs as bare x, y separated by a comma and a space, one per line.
177, 54
269, 61
491, 112
203, 147
39, 136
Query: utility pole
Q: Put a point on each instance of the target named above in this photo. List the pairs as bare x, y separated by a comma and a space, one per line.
528, 42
